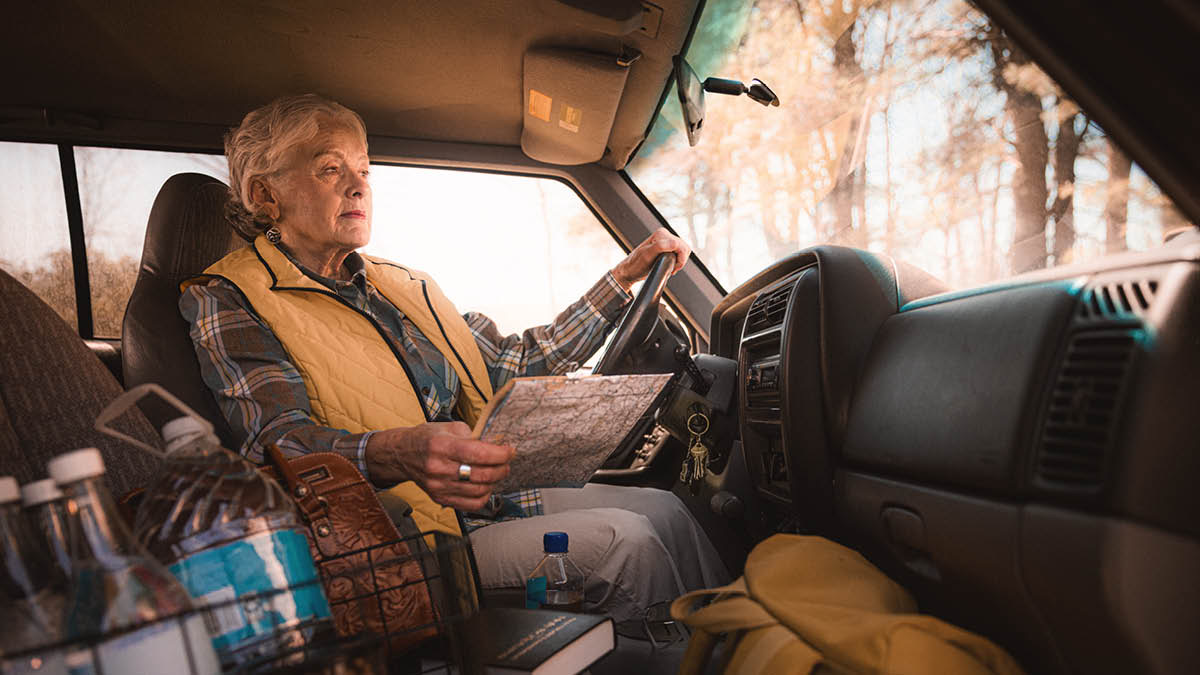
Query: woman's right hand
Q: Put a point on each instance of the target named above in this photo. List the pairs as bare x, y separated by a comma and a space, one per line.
430, 455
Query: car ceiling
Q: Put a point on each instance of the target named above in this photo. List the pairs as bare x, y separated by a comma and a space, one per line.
448, 71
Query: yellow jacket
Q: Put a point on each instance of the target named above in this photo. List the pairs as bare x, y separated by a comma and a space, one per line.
353, 378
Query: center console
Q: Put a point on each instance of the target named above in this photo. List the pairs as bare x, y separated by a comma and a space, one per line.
763, 380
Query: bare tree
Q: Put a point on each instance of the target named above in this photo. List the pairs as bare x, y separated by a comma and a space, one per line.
53, 280
1116, 200
101, 184
1024, 109
1062, 211
848, 194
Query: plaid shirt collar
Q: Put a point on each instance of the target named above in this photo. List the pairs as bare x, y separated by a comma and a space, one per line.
354, 264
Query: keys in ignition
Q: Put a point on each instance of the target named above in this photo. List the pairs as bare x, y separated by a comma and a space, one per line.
695, 465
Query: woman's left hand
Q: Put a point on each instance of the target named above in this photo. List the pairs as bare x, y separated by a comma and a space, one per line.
636, 266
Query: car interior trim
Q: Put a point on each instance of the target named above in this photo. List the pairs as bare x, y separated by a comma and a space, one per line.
83, 290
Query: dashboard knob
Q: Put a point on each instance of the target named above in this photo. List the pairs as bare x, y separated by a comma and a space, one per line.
727, 505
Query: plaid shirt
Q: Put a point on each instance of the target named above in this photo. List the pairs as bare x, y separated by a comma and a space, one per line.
262, 394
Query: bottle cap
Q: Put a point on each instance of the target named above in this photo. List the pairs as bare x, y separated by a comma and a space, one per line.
76, 465
9, 492
555, 542
40, 492
183, 429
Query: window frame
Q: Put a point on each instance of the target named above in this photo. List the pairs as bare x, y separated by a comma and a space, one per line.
84, 317
82, 282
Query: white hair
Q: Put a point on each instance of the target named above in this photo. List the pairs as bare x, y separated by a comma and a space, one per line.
259, 145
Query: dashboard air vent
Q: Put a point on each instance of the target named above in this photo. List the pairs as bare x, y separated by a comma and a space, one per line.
1118, 299
1084, 408
768, 309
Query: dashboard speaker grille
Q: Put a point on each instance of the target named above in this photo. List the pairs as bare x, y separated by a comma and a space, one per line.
1084, 408
768, 309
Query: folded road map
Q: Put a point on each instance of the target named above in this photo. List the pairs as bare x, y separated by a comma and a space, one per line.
563, 428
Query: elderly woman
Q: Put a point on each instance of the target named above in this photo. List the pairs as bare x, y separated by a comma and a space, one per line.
309, 345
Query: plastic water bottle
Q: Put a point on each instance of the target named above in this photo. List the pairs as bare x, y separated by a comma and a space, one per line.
131, 612
234, 539
31, 604
556, 582
43, 502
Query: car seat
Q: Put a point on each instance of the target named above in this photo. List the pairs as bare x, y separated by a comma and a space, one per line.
52, 387
186, 232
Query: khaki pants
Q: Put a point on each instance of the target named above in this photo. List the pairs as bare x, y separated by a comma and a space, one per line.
637, 546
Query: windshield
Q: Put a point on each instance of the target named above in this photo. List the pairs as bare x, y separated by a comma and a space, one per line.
912, 128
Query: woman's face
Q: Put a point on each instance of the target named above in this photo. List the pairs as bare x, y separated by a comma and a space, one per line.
323, 195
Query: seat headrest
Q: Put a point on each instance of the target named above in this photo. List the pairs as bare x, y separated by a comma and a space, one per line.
187, 230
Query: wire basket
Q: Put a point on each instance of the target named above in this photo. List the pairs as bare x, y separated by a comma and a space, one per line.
377, 576
372, 636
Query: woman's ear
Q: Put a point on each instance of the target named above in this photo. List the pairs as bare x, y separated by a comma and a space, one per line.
263, 199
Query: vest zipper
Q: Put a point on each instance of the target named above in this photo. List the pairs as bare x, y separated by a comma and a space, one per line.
451, 344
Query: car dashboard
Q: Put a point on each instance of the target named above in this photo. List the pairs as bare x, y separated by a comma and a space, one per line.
1021, 456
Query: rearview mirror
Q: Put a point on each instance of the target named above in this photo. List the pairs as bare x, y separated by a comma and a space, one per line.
691, 98
691, 94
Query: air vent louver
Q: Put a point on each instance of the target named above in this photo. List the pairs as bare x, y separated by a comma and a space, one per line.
768, 309
767, 399
1118, 299
1084, 408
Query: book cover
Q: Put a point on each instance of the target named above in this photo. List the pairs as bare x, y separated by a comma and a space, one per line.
503, 640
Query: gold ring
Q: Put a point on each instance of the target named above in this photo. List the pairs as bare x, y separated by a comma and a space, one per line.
464, 473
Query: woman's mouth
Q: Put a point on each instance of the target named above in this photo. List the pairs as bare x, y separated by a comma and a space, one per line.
354, 214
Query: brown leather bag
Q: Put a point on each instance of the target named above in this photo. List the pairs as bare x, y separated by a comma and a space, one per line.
374, 578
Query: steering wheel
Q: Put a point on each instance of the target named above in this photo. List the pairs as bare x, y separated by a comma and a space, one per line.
639, 318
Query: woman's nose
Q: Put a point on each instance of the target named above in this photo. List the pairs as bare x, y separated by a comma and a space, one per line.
358, 185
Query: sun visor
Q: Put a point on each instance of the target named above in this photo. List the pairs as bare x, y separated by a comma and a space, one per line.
611, 17
571, 98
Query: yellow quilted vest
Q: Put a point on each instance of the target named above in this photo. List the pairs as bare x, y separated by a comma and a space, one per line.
353, 378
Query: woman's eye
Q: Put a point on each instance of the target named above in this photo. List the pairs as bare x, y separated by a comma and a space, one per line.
329, 170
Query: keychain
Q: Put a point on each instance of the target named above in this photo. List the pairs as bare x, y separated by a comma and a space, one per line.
695, 465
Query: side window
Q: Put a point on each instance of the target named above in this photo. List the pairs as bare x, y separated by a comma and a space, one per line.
35, 244
117, 187
516, 248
